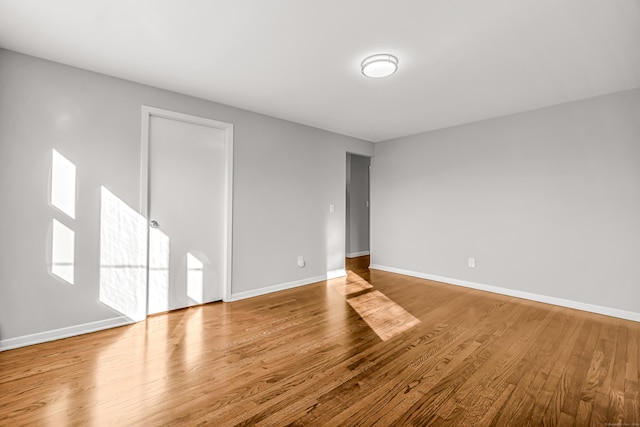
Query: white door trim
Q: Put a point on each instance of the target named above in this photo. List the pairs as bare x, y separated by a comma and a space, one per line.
147, 113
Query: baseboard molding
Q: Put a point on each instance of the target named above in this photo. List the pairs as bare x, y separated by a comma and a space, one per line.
56, 334
289, 285
592, 308
357, 254
341, 272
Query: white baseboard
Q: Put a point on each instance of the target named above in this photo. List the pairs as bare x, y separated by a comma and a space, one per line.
592, 308
357, 254
289, 285
341, 272
56, 334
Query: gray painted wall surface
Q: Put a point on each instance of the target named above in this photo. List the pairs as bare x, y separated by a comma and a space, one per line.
357, 211
285, 177
547, 201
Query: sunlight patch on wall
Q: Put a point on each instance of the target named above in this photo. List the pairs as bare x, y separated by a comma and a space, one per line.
159, 252
63, 184
195, 279
334, 245
63, 252
123, 257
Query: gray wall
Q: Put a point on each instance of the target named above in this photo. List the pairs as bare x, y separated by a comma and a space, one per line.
357, 210
547, 201
285, 177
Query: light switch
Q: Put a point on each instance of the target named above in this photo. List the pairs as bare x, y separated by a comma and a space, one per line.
332, 208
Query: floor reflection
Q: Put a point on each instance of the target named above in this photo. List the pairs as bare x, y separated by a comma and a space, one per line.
193, 339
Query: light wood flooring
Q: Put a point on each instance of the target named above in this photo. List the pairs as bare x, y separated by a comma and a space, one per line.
375, 348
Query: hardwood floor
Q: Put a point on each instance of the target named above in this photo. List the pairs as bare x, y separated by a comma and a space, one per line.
306, 357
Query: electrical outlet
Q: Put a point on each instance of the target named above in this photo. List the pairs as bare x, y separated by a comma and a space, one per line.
300, 261
472, 262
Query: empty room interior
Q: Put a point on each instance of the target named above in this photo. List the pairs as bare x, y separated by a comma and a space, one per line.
320, 213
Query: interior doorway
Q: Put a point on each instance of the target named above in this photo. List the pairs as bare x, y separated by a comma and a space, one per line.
357, 206
187, 189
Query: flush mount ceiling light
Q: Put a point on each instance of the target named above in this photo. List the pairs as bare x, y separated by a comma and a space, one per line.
380, 65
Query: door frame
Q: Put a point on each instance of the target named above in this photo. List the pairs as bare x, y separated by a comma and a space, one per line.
147, 113
347, 225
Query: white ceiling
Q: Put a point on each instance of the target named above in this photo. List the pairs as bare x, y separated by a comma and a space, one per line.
460, 60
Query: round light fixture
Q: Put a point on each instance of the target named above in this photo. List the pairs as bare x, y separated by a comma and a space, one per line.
380, 65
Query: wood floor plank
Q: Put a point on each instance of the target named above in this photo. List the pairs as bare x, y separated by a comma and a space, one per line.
394, 403
561, 375
632, 383
388, 386
545, 395
575, 376
386, 363
535, 368
305, 357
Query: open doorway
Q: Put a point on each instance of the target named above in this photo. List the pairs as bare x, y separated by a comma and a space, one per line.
357, 206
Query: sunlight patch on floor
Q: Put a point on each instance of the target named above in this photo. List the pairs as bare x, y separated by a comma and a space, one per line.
384, 316
350, 288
